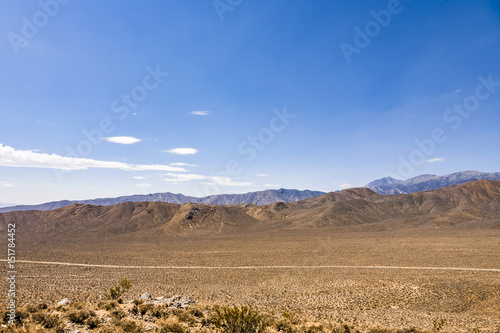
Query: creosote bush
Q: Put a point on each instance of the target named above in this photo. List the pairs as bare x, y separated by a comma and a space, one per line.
80, 316
171, 326
117, 291
239, 320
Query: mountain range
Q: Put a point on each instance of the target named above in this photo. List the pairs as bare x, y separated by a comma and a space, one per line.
258, 198
390, 185
471, 205
385, 185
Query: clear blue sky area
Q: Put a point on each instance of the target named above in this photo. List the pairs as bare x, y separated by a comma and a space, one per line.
110, 98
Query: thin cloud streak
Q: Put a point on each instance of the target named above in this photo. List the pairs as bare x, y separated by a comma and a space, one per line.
181, 151
200, 113
124, 140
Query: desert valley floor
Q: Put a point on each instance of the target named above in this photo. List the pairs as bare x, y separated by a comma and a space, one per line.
465, 299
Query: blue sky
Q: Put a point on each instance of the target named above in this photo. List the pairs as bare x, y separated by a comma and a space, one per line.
98, 98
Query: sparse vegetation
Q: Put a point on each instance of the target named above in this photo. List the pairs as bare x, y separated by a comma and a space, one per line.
296, 299
239, 320
80, 316
117, 291
438, 324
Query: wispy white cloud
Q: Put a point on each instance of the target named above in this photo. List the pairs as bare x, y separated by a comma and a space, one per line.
144, 185
433, 160
139, 177
174, 177
345, 185
29, 159
222, 181
226, 181
200, 113
456, 91
182, 151
272, 185
182, 164
262, 175
124, 140
6, 184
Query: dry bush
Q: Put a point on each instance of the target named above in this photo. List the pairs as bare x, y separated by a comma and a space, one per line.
345, 328
138, 301
35, 308
118, 314
196, 312
159, 312
184, 316
47, 320
107, 329
130, 326
119, 290
284, 325
144, 308
80, 316
108, 306
171, 325
239, 320
410, 330
93, 322
22, 316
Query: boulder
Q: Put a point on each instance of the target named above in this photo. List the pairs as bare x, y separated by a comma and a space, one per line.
64, 301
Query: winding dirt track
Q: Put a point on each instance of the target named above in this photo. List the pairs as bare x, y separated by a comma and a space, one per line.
257, 267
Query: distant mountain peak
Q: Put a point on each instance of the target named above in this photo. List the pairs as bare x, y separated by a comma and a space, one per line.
428, 182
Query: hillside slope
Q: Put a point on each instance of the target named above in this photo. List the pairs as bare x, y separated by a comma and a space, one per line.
475, 204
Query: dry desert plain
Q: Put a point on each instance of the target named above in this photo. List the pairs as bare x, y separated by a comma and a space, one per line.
367, 297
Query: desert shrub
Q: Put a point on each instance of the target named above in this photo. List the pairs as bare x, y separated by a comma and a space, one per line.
284, 325
118, 314
35, 308
438, 324
78, 305
184, 316
239, 320
93, 322
107, 329
313, 328
130, 326
4, 318
47, 320
144, 308
158, 311
345, 329
380, 330
293, 317
171, 326
195, 312
22, 315
80, 316
138, 301
119, 290
108, 306
410, 330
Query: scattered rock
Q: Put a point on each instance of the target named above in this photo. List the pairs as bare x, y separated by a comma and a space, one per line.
145, 297
180, 302
64, 301
176, 301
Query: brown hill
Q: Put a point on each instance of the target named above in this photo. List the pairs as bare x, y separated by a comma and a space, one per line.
475, 204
